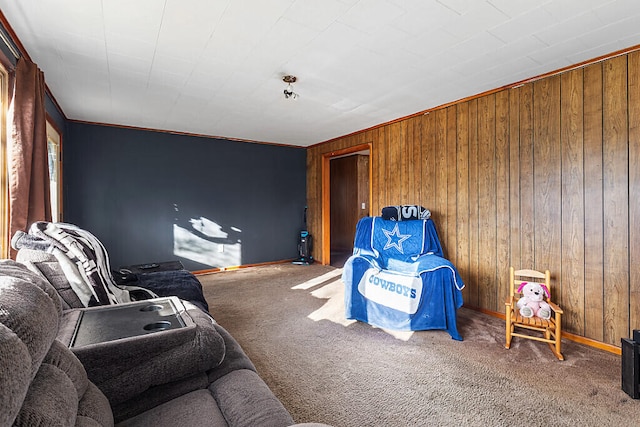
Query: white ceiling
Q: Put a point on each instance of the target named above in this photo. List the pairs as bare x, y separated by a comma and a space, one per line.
215, 67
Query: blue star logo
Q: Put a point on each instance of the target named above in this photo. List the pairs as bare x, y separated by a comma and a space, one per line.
395, 239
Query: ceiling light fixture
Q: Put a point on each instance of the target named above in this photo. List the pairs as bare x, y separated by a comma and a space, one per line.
288, 91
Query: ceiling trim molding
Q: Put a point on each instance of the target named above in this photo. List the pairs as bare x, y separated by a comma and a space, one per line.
174, 132
489, 92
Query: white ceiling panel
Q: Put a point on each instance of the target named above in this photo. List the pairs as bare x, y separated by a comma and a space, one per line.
140, 20
432, 43
315, 14
610, 12
516, 8
369, 15
215, 67
422, 16
568, 29
567, 9
526, 24
479, 18
459, 6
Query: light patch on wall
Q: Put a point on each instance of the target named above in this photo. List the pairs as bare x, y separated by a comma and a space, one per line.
206, 242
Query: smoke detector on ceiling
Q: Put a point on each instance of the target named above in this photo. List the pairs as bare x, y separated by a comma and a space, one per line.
288, 91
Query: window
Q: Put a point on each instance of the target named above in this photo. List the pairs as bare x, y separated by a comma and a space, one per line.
55, 176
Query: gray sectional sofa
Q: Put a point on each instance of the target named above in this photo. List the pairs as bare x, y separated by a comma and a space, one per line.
193, 375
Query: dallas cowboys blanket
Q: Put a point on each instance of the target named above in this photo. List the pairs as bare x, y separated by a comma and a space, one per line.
397, 278
396, 239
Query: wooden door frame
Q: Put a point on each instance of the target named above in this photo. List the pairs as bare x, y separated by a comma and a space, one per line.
326, 193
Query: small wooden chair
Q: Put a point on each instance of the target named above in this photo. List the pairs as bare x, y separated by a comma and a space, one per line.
551, 328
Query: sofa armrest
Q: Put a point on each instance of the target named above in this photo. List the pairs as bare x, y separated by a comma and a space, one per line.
125, 368
235, 358
245, 400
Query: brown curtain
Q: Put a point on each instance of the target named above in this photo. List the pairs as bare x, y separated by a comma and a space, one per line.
29, 198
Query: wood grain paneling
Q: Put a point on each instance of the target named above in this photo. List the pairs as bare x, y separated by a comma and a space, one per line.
462, 191
487, 293
451, 183
502, 158
428, 162
363, 187
593, 214
547, 176
514, 179
380, 170
572, 129
543, 175
440, 201
408, 164
394, 168
634, 190
527, 217
616, 203
471, 288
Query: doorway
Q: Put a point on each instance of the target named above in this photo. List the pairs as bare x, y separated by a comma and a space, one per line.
346, 194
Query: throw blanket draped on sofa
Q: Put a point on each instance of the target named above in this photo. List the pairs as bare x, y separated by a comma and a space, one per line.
397, 278
83, 259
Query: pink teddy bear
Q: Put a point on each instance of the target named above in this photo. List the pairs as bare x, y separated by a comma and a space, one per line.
532, 302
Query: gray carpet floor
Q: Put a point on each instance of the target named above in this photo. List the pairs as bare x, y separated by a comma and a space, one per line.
324, 368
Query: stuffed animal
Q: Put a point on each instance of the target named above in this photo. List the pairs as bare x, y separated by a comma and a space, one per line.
532, 302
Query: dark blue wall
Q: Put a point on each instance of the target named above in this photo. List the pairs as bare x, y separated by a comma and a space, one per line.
134, 188
56, 116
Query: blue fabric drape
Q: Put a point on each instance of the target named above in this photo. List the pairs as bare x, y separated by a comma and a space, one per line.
401, 251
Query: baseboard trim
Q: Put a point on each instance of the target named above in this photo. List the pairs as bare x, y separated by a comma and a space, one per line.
572, 337
238, 267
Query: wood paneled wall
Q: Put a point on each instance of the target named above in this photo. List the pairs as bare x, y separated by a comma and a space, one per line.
544, 175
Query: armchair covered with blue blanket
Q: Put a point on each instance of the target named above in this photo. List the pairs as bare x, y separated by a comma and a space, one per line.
397, 278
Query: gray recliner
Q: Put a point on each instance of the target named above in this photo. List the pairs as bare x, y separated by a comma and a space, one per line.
198, 376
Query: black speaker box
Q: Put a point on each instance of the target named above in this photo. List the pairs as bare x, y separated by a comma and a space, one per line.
631, 365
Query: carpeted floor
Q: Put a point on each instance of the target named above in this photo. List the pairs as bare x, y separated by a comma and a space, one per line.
324, 368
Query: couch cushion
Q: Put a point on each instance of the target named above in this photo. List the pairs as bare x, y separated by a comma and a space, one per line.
60, 357
61, 395
93, 407
41, 381
52, 396
197, 408
52, 400
15, 374
29, 319
157, 395
31, 308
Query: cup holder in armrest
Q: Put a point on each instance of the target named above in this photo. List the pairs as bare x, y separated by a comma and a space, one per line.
152, 307
162, 325
108, 323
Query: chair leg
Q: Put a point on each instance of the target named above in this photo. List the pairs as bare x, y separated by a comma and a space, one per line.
558, 337
556, 350
509, 330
